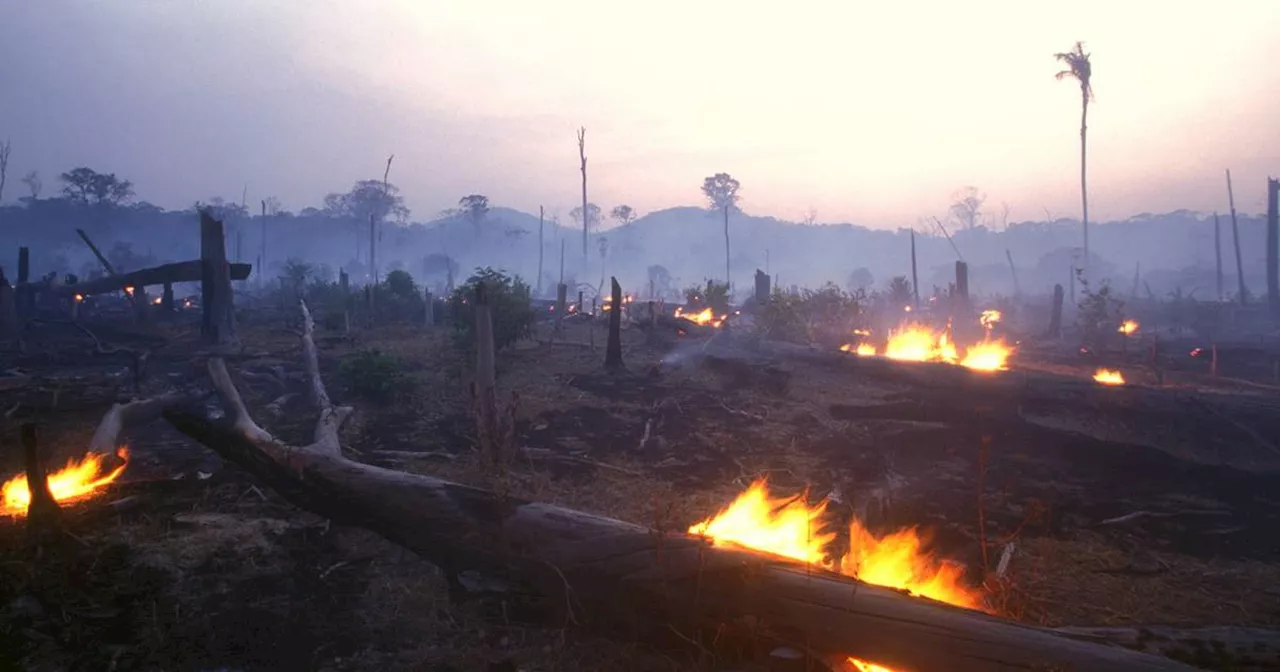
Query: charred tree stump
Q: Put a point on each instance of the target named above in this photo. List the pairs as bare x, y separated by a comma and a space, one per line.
166, 298
1055, 318
24, 296
344, 281
218, 326
1235, 236
613, 348
562, 292
429, 309
44, 516
8, 309
1273, 246
915, 280
962, 287
763, 290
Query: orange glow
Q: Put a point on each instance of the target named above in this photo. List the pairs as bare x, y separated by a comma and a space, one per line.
920, 343
793, 529
79, 298
77, 480
128, 290
989, 318
1129, 327
860, 665
1109, 377
156, 301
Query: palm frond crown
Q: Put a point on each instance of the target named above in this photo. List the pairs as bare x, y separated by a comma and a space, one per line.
1078, 67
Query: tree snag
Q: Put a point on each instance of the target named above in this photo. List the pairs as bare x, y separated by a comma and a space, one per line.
613, 349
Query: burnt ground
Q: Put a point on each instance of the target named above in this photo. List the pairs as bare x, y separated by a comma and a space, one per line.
206, 570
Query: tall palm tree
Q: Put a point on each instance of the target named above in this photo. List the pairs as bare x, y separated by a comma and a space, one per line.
1080, 69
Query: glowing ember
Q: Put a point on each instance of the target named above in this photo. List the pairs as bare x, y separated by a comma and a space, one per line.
79, 298
989, 318
861, 332
1109, 377
128, 290
75, 481
1129, 327
705, 318
792, 528
156, 301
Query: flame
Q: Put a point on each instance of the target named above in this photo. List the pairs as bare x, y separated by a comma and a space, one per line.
79, 298
987, 356
77, 480
128, 290
705, 318
918, 343
1129, 327
792, 528
860, 665
861, 332
1109, 377
156, 301
989, 318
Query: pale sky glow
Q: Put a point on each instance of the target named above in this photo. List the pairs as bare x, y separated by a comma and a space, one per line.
868, 112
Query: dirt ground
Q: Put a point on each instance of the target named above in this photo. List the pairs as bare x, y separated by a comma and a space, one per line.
205, 570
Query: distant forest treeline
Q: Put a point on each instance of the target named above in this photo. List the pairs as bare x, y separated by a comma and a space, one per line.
674, 247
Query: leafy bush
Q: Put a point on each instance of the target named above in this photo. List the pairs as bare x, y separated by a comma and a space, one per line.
513, 317
1099, 315
714, 296
825, 314
781, 318
375, 375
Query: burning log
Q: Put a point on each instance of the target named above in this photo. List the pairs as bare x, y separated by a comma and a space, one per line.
610, 571
43, 512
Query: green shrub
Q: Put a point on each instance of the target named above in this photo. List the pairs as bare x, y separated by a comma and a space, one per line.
714, 296
374, 375
781, 318
1098, 315
513, 317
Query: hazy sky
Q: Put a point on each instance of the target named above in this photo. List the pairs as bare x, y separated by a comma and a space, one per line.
868, 112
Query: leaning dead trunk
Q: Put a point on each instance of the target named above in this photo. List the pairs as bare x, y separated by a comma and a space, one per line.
1235, 235
219, 322
606, 571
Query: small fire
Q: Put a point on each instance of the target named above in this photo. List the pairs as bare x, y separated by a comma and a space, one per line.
156, 301
75, 481
861, 349
860, 665
705, 318
793, 529
861, 332
79, 298
1109, 377
989, 318
128, 290
1129, 327
987, 356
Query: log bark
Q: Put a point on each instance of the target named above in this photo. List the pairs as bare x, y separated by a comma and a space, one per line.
607, 571
562, 292
43, 513
1055, 318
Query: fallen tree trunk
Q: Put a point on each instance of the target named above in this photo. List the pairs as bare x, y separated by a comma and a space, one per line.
611, 571
182, 271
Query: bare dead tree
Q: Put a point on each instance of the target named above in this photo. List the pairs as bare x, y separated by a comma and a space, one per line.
966, 206
582, 155
5, 148
810, 217
34, 184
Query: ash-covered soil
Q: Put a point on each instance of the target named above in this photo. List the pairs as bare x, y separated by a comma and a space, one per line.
204, 569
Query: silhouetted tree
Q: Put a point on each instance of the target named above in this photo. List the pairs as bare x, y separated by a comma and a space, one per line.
860, 278
594, 216
966, 206
475, 209
222, 210
624, 214
366, 198
34, 184
659, 280
1080, 69
721, 191
86, 186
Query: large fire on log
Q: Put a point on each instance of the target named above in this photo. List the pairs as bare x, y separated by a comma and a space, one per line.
706, 318
78, 480
792, 528
920, 343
